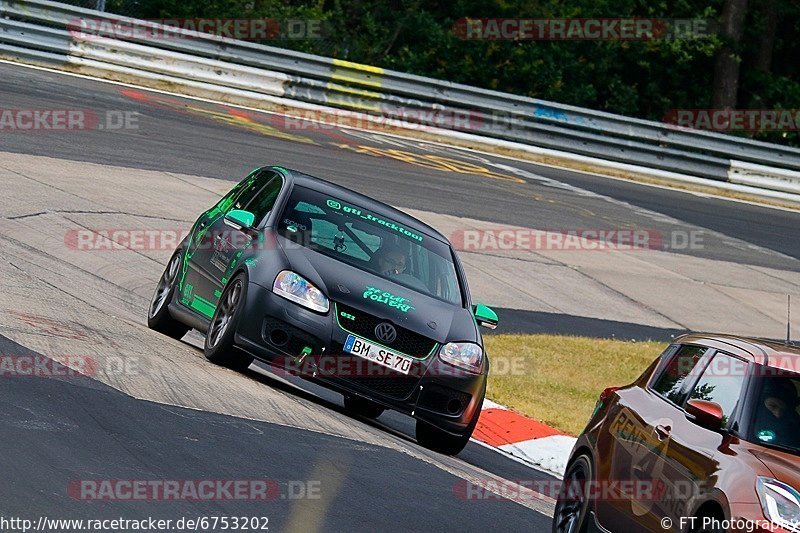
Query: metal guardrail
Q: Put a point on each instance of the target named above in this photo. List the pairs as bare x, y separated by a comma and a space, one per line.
39, 30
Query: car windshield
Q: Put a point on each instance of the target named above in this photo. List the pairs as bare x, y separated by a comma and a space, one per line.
357, 236
776, 420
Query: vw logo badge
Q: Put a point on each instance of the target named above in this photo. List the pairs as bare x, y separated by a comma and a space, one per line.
385, 332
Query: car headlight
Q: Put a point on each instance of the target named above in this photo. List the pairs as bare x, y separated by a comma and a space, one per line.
780, 502
298, 289
466, 355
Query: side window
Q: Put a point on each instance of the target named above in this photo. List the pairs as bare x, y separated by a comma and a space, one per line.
244, 191
227, 201
721, 382
261, 204
669, 383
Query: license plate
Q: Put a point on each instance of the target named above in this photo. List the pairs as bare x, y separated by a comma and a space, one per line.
378, 354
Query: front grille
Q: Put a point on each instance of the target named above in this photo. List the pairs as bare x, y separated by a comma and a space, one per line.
390, 386
363, 324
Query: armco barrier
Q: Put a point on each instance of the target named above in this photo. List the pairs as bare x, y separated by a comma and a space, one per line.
44, 31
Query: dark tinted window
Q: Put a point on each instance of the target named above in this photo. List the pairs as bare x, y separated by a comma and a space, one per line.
355, 235
264, 200
245, 190
777, 410
226, 202
673, 375
721, 382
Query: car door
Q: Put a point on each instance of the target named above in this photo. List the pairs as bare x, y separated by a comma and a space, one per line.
699, 450
645, 443
685, 456
210, 251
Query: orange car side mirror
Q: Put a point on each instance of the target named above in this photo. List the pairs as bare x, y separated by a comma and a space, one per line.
705, 414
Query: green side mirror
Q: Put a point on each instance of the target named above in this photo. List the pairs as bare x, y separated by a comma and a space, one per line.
485, 316
240, 219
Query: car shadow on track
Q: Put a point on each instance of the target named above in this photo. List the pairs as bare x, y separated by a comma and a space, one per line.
391, 423
311, 392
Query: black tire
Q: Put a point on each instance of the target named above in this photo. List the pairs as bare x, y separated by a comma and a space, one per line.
362, 407
572, 507
219, 345
158, 317
435, 439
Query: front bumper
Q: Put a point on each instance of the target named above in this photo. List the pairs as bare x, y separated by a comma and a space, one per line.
310, 344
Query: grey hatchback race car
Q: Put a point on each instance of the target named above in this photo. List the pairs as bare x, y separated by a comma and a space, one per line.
336, 287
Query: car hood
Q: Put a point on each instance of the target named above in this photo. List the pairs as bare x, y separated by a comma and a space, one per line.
784, 466
348, 285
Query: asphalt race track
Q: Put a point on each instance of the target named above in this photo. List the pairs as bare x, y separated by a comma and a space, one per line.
177, 135
105, 434
205, 141
179, 417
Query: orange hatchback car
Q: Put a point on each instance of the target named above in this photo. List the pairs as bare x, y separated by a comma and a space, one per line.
707, 439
